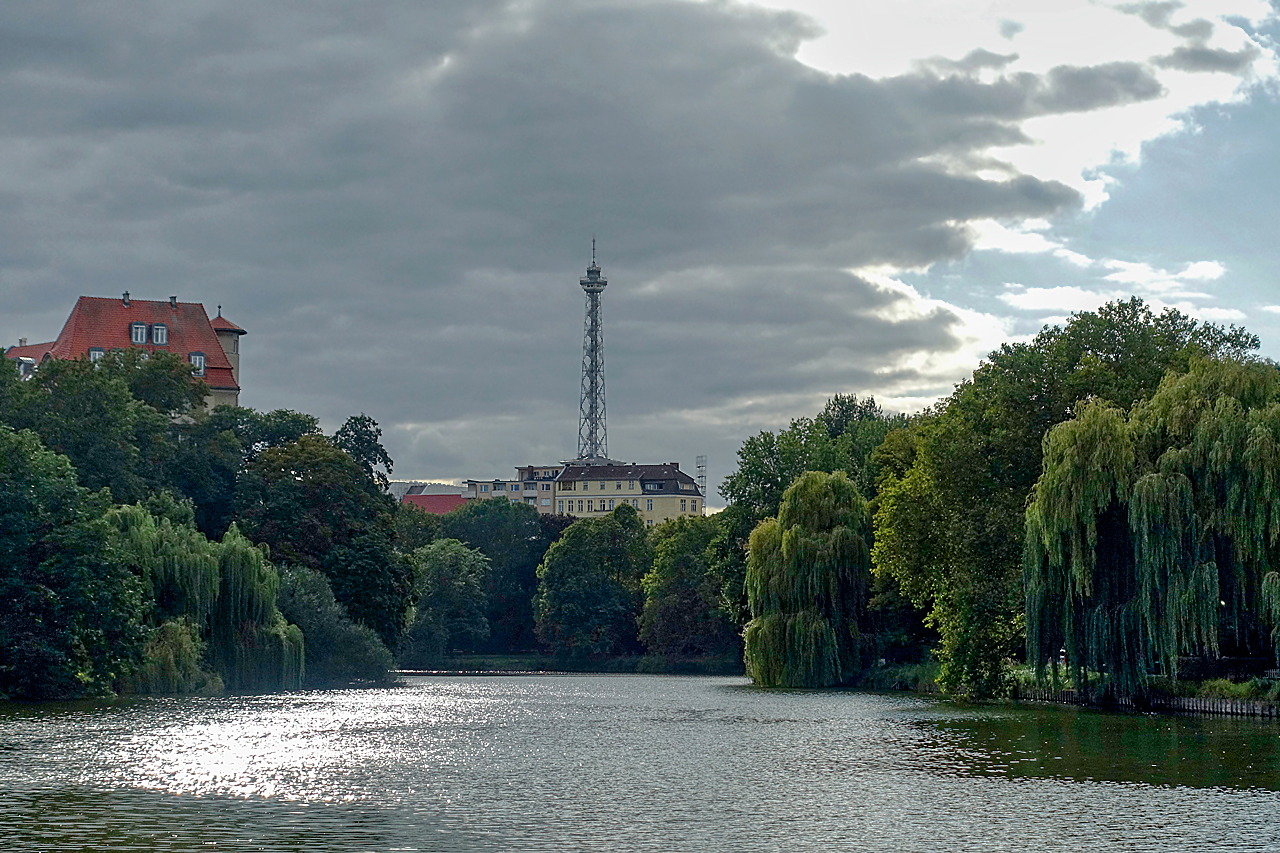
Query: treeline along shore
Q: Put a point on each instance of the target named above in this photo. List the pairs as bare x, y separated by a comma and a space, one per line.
1095, 510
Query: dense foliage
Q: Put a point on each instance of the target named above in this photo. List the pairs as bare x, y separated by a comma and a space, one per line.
589, 596
124, 566
682, 616
1105, 491
807, 579
70, 609
450, 615
1154, 535
514, 538
318, 507
949, 528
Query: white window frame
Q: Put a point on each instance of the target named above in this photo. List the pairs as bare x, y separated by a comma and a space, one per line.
96, 353
160, 334
198, 362
137, 332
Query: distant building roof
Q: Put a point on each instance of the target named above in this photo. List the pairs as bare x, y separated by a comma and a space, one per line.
37, 352
98, 322
222, 324
436, 504
667, 472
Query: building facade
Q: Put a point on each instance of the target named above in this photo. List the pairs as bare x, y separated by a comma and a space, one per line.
98, 325
657, 492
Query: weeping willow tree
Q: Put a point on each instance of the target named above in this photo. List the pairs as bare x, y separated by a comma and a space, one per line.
1155, 536
214, 619
250, 642
808, 572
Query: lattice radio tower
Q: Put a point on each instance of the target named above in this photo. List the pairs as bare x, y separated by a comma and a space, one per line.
593, 437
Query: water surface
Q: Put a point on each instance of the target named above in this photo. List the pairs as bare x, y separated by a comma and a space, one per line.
626, 763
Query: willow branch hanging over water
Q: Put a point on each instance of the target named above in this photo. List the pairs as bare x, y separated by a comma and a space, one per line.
1155, 536
213, 605
807, 578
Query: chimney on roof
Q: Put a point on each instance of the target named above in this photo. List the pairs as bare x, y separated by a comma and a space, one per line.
173, 302
126, 299
22, 342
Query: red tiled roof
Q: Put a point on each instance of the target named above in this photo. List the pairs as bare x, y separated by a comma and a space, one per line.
101, 322
35, 352
222, 324
437, 504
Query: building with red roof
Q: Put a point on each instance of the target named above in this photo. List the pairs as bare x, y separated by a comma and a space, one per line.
435, 504
98, 325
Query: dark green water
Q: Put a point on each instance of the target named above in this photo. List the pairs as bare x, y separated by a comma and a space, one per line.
626, 763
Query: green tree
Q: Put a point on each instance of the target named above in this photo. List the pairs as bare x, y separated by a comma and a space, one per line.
215, 447
768, 464
90, 416
514, 537
1152, 537
843, 437
339, 651
589, 596
212, 603
808, 575
314, 505
416, 527
450, 614
70, 610
950, 529
682, 617
361, 438
162, 380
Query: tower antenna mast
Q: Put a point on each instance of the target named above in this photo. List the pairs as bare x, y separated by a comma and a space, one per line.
593, 439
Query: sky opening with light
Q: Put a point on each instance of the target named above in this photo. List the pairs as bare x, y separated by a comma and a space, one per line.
790, 199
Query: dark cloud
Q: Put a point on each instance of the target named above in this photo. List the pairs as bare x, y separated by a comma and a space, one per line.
396, 201
1197, 58
1160, 15
975, 60
1074, 89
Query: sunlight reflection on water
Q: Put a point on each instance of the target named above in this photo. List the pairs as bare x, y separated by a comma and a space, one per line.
624, 763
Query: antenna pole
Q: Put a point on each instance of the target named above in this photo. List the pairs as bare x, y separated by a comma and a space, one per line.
593, 440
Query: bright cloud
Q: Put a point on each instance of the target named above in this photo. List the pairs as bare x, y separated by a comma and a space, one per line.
1057, 299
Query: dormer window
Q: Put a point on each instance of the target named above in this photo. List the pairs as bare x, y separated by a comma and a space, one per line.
197, 363
160, 334
96, 353
138, 332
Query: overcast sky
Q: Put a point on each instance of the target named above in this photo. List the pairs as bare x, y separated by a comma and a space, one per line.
791, 199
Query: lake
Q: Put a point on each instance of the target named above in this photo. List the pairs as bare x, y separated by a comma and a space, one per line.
626, 763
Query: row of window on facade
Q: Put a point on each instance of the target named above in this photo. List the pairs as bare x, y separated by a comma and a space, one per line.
196, 358
572, 485
685, 505
514, 487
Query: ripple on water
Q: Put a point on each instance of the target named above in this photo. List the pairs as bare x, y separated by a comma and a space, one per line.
643, 763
